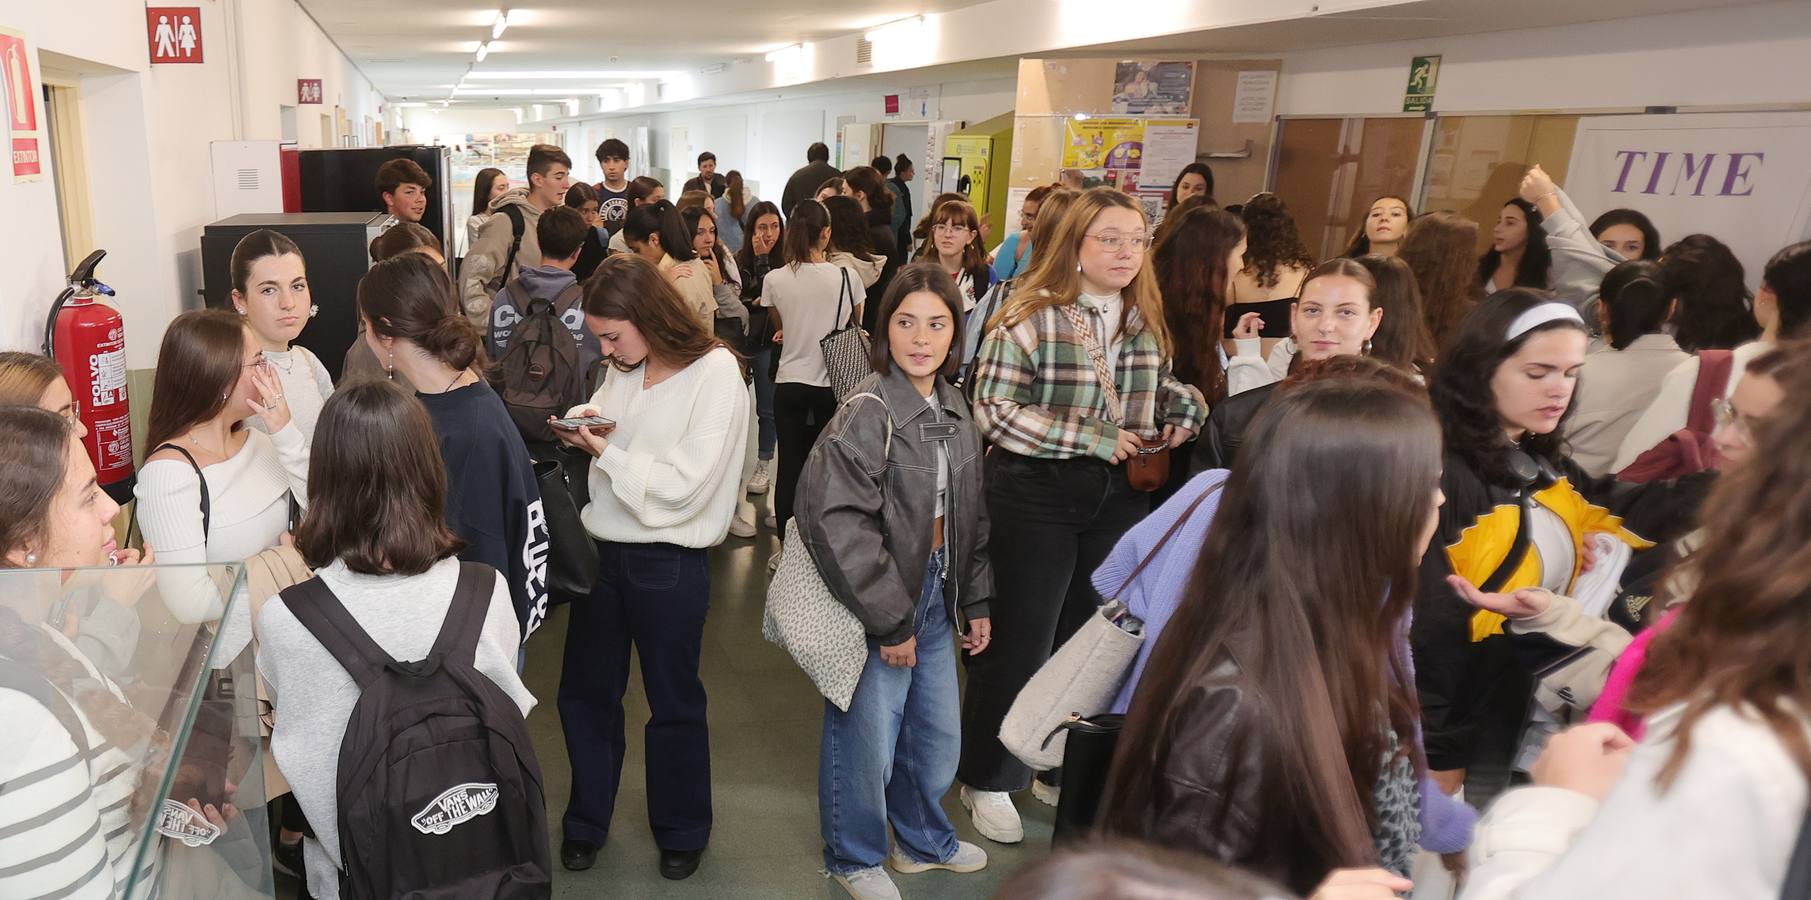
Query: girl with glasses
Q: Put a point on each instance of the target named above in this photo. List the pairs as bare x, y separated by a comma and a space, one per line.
955, 242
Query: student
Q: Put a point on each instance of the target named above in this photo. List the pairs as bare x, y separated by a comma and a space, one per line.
679, 262
1274, 725
850, 244
562, 234
211, 377
713, 265
1194, 265
643, 191
613, 191
1401, 339
361, 364
407, 237
1502, 391
270, 292
875, 512
1715, 310
1617, 384
663, 488
403, 185
901, 186
488, 265
583, 197
1015, 252
804, 183
490, 184
834, 186
693, 200
1056, 471
1385, 225
1782, 307
1195, 180
1332, 315
1629, 233
1439, 249
1579, 260
377, 538
869, 189
1518, 254
1276, 261
809, 297
1723, 760
955, 243
27, 379
922, 231
708, 179
494, 504
981, 319
731, 206
763, 253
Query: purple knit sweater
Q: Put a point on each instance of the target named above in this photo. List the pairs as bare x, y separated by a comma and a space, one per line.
1446, 823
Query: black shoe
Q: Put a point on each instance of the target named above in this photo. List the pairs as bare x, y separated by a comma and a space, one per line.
677, 865
288, 859
578, 855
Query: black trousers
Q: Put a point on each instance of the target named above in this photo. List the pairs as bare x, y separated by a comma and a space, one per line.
800, 412
1053, 522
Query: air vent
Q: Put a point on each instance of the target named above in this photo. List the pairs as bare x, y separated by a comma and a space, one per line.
864, 52
249, 180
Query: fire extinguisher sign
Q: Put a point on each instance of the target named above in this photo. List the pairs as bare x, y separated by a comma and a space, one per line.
19, 77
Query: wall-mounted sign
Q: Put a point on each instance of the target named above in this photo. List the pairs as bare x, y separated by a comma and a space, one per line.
1255, 98
174, 34
22, 91
1423, 72
308, 90
1145, 89
892, 104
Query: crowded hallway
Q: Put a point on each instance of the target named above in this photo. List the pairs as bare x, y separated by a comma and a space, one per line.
962, 451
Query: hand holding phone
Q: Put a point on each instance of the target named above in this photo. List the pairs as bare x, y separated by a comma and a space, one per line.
573, 423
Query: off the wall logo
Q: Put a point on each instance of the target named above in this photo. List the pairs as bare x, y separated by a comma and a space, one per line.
181, 822
456, 807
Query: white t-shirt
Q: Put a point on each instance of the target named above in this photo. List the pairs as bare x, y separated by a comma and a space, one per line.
943, 458
813, 299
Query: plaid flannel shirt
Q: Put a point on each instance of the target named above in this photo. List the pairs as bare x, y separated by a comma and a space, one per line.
1036, 393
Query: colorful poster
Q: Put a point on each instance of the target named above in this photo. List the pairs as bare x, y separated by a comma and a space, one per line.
1109, 143
22, 90
1163, 88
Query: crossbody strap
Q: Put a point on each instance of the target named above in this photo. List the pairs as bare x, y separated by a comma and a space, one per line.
846, 290
1110, 390
206, 504
1174, 527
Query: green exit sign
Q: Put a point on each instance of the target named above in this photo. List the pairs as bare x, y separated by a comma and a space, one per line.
1424, 71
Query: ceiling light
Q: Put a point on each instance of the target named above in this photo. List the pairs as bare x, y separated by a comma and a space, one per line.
604, 75
483, 50
496, 31
898, 28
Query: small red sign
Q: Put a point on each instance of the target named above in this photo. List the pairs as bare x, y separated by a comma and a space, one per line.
308, 90
892, 104
26, 161
21, 84
174, 34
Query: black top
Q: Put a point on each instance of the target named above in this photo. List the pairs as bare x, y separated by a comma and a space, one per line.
803, 185
718, 185
1274, 312
493, 500
880, 230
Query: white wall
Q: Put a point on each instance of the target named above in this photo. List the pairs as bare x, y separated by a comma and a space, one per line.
1741, 55
147, 132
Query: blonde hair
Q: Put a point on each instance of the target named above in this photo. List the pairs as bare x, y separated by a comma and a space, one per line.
24, 377
1055, 278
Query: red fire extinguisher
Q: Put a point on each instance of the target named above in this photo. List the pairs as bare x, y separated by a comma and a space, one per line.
87, 338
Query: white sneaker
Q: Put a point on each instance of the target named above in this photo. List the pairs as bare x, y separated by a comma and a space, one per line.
994, 815
759, 483
1046, 794
869, 884
968, 858
773, 562
742, 528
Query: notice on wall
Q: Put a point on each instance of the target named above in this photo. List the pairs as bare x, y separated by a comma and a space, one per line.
921, 102
1739, 176
19, 77
174, 34
1163, 88
1424, 71
1254, 100
1168, 146
1103, 143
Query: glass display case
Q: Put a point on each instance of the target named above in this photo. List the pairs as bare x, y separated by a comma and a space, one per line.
131, 762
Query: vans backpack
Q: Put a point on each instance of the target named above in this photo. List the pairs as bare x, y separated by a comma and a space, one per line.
540, 374
439, 789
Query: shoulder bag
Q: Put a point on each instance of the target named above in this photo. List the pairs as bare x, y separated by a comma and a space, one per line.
846, 348
1149, 468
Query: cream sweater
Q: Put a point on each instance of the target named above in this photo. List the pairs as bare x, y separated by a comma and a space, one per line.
670, 473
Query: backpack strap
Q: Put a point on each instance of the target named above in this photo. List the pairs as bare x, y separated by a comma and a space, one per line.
33, 684
314, 605
517, 226
1713, 376
464, 623
206, 504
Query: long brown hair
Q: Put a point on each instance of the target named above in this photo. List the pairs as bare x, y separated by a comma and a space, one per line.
736, 194
34, 454
1402, 337
974, 254
1273, 241
1740, 642
1439, 248
376, 485
631, 289
1051, 210
873, 186
198, 365
1192, 273
24, 377
410, 298
1311, 610
1055, 279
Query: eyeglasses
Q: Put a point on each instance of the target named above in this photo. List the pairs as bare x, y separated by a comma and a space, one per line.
1727, 416
947, 228
1112, 241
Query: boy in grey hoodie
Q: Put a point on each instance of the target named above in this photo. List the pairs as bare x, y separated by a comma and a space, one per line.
560, 236
487, 267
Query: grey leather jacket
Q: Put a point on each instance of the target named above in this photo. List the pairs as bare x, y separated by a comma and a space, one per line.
866, 510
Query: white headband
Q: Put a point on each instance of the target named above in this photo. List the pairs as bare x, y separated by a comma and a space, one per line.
1541, 315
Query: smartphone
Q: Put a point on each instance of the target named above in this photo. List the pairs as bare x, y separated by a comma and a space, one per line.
577, 422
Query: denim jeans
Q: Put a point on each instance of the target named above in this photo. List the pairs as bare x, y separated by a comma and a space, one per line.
892, 756
761, 364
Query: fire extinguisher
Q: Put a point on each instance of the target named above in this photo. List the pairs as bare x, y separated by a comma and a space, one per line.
87, 338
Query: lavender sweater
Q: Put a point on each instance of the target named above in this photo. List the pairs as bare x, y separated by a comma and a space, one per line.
1446, 823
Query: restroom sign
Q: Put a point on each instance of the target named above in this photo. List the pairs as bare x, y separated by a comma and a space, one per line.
308, 90
174, 34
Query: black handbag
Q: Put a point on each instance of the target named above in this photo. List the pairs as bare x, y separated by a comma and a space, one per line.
1087, 760
571, 553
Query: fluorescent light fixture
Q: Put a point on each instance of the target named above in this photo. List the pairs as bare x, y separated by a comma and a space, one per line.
897, 28
483, 50
523, 92
784, 52
496, 31
595, 75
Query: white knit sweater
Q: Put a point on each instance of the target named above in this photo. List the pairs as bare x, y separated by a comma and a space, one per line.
306, 386
670, 474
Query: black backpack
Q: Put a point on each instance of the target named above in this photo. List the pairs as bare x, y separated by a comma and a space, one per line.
439, 789
517, 227
540, 374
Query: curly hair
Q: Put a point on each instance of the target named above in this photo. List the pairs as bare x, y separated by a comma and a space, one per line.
1463, 396
1438, 248
1715, 308
1532, 269
1271, 239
